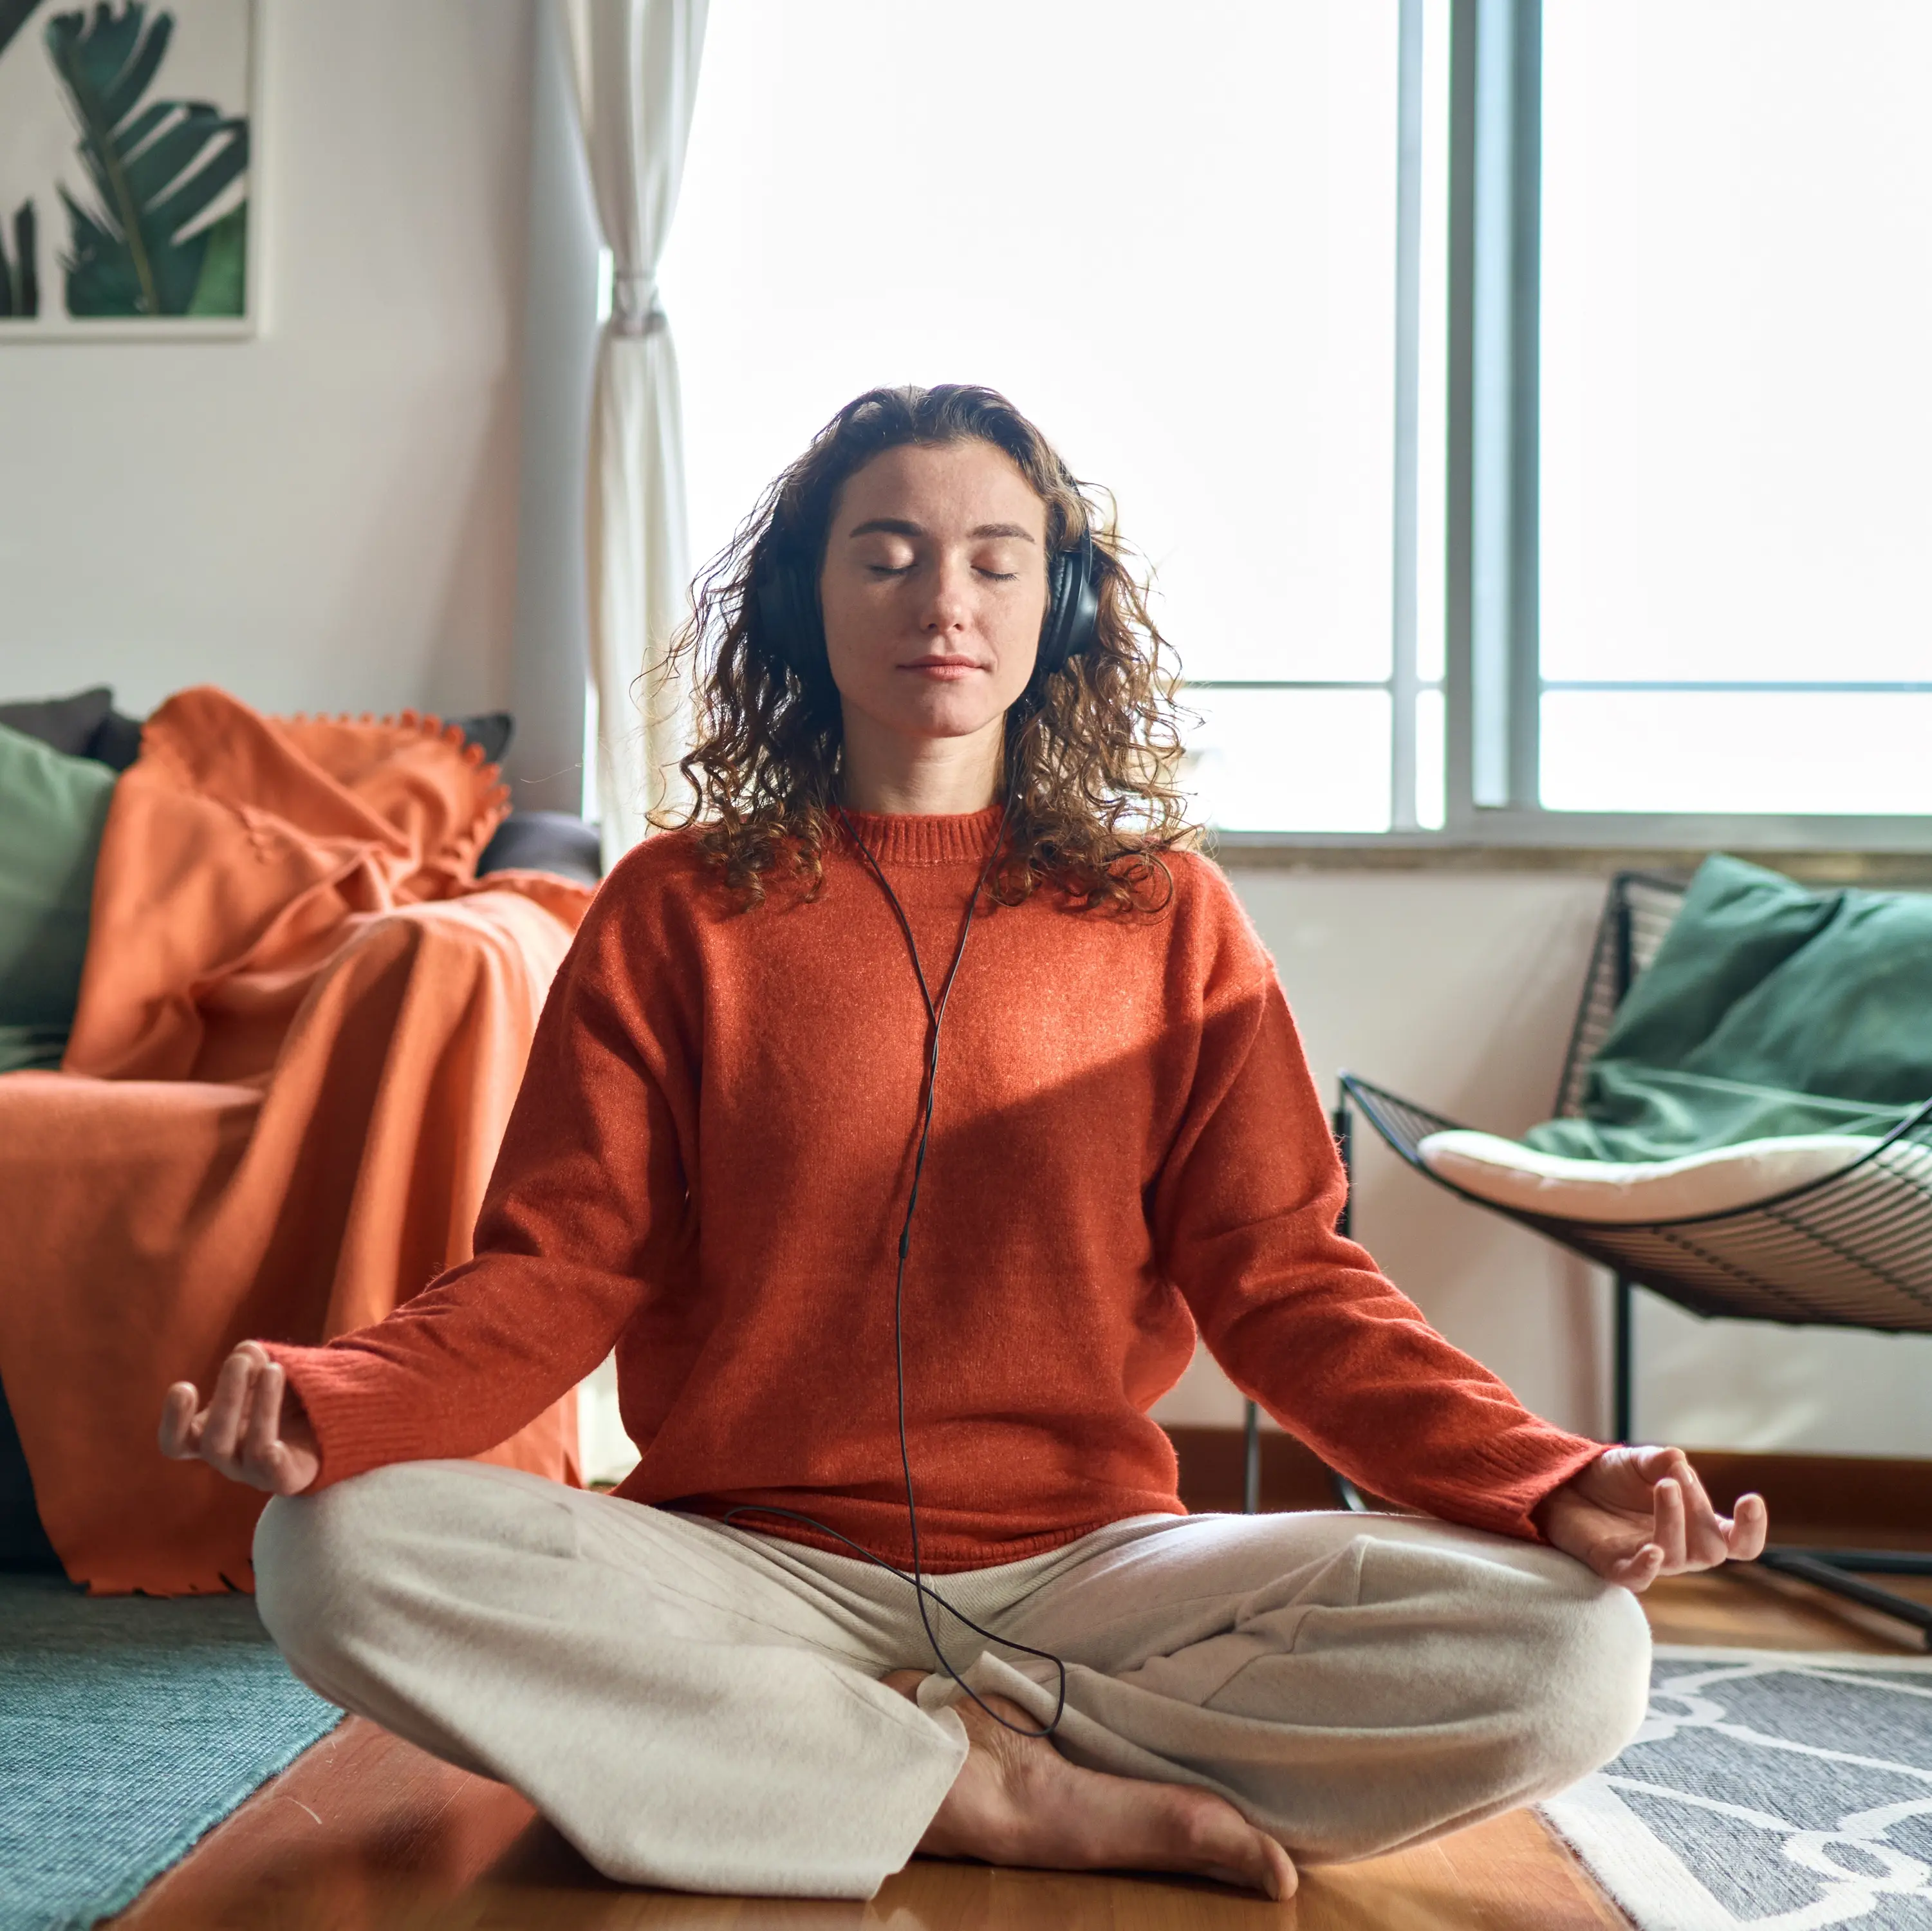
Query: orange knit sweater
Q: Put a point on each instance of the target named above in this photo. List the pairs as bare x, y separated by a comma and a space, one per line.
707, 1167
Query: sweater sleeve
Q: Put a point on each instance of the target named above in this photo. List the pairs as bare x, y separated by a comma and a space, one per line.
585, 1216
1300, 1318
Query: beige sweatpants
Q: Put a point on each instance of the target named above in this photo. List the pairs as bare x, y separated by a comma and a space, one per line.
699, 1707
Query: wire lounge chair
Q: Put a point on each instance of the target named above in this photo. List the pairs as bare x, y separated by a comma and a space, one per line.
1851, 1249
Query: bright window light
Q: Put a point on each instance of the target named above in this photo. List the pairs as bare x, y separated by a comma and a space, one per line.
1431, 453
1169, 237
1292, 761
1815, 753
1736, 399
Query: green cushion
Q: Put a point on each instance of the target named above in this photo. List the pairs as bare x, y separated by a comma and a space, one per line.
53, 809
1770, 1010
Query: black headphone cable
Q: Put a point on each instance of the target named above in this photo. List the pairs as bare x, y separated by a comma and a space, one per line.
935, 1012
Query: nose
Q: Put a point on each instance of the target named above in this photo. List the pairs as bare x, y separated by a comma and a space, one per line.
948, 599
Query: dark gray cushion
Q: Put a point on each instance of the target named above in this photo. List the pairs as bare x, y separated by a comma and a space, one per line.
491, 729
87, 725
67, 724
544, 841
114, 739
116, 742
23, 1542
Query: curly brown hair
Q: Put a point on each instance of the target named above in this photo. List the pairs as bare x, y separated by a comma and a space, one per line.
1091, 751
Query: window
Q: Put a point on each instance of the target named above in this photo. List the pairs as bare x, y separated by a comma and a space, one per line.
1736, 400
1171, 237
1523, 426
1692, 299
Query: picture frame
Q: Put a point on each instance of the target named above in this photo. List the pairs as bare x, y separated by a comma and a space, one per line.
131, 201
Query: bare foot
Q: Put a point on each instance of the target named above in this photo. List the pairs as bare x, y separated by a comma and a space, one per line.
1017, 1800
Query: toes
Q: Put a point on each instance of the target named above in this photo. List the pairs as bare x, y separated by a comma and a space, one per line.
1215, 1839
1281, 1868
1271, 1871
1018, 1801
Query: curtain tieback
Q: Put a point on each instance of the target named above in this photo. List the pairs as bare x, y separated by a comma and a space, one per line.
634, 305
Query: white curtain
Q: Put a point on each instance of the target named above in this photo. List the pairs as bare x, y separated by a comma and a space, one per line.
635, 63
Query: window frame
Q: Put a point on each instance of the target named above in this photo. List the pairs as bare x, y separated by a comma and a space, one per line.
1492, 683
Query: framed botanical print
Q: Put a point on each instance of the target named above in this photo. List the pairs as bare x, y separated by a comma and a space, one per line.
128, 205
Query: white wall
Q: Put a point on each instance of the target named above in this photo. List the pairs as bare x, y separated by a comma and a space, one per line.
1458, 991
324, 518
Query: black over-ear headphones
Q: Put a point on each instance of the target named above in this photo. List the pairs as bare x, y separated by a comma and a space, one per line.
786, 591
1073, 608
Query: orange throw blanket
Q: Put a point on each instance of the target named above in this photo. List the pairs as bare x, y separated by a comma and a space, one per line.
302, 1023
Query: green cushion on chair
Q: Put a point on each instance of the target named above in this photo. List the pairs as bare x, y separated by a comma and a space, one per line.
53, 809
1771, 1010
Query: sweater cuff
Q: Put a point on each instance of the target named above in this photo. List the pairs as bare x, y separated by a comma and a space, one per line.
355, 1427
1528, 1472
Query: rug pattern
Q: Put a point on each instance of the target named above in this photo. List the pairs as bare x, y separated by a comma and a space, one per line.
1776, 1790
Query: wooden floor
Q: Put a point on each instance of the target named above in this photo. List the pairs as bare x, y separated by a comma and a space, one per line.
364, 1831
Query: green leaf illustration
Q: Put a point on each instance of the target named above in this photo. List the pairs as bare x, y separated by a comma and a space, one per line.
222, 288
154, 173
20, 278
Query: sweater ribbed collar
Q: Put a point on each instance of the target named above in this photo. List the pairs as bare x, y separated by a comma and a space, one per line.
945, 838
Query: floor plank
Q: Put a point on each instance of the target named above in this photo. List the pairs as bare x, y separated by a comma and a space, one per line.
360, 1829
1749, 1608
363, 1833
429, 1864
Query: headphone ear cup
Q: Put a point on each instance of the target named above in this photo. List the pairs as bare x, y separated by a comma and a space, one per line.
1073, 608
789, 616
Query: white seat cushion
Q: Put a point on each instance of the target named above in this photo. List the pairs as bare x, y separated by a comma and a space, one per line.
1620, 1193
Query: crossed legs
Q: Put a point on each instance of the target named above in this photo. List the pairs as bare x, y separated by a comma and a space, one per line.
710, 1710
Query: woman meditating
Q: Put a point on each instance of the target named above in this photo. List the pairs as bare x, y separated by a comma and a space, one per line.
901, 1120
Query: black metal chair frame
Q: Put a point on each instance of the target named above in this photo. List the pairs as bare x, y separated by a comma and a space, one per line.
1853, 1249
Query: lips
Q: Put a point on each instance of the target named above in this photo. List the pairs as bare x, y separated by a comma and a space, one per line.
944, 670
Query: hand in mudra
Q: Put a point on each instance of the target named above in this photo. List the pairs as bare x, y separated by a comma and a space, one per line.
1638, 1513
252, 1429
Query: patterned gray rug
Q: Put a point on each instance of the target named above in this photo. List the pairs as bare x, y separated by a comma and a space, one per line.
1777, 1789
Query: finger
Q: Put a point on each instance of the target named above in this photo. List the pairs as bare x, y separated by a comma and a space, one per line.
263, 1442
1668, 1463
1706, 1533
274, 1473
1749, 1527
289, 1475
228, 1412
1686, 1476
177, 1429
1637, 1571
1627, 1477
1667, 1512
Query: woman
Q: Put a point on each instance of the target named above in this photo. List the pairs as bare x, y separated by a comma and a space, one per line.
934, 932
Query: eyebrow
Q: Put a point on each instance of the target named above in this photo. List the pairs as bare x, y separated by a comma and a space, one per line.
897, 526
